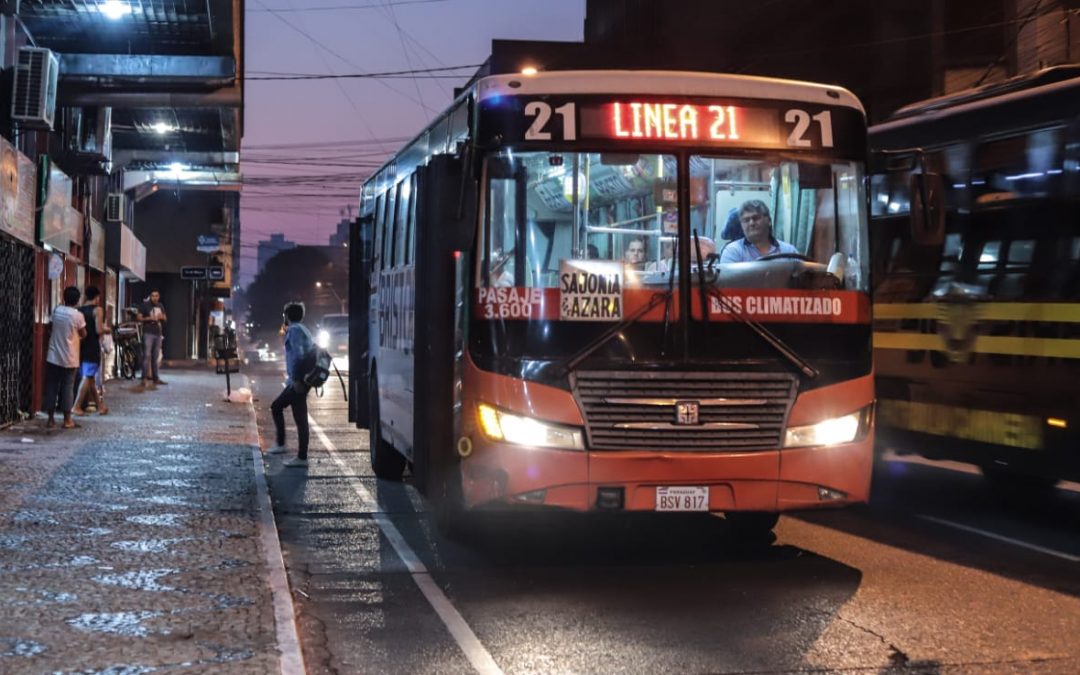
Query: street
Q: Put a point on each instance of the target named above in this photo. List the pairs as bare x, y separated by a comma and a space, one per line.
938, 574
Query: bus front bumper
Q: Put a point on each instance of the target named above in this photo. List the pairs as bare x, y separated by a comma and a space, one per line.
497, 474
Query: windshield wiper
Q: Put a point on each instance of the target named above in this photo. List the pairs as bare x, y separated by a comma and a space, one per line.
764, 333
601, 339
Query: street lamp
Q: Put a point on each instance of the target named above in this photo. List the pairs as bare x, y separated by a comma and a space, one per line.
327, 284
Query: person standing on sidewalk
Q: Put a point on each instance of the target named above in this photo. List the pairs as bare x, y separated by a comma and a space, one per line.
299, 358
90, 353
152, 316
62, 360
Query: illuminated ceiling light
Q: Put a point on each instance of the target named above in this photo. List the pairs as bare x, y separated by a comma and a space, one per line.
114, 9
163, 128
529, 70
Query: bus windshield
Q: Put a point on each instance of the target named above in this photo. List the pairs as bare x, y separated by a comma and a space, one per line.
544, 209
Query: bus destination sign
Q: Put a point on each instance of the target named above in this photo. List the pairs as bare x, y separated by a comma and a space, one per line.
781, 125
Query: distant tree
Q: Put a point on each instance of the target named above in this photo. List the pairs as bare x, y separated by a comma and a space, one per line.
291, 275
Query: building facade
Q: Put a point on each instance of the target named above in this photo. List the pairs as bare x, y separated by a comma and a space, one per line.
268, 248
100, 113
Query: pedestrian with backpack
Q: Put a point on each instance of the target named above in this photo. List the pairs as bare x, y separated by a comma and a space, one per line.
300, 355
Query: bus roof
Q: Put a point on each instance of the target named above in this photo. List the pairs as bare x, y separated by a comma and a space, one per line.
1022, 83
664, 82
1021, 102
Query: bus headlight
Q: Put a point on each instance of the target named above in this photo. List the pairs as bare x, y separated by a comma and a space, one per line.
829, 432
323, 338
499, 425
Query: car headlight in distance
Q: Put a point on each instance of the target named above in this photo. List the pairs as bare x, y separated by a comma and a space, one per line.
499, 425
323, 338
833, 431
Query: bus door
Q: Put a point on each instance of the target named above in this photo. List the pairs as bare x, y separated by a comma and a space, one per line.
445, 230
361, 244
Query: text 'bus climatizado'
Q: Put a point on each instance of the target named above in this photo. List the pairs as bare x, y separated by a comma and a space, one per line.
622, 291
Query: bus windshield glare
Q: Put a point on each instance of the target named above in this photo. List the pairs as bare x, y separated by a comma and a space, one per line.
544, 209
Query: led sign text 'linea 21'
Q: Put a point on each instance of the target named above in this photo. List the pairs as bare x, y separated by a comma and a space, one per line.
674, 121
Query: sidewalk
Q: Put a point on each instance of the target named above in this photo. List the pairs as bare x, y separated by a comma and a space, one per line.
131, 545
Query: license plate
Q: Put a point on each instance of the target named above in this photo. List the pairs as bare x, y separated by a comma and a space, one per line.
682, 498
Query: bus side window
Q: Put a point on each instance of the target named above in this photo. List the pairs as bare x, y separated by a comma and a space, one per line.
380, 224
388, 232
410, 238
401, 221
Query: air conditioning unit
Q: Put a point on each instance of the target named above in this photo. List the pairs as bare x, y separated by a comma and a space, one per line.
116, 208
89, 132
33, 99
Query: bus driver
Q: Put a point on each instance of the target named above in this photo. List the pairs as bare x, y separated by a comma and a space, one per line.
758, 240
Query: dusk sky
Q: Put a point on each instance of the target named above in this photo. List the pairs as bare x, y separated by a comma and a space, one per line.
309, 143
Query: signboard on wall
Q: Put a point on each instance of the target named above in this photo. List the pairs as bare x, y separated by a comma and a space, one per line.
55, 193
208, 243
95, 250
18, 179
73, 227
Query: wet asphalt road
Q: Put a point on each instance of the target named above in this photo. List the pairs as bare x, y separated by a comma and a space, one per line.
939, 574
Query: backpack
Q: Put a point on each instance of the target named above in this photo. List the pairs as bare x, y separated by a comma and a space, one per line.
319, 371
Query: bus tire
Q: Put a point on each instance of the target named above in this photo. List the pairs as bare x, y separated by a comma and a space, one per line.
751, 525
386, 462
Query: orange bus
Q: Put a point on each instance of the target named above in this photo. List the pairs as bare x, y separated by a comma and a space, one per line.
622, 291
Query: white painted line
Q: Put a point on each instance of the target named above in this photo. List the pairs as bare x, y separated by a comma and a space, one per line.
288, 637
999, 537
466, 639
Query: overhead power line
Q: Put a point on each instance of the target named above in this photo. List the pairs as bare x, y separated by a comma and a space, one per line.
337, 8
355, 76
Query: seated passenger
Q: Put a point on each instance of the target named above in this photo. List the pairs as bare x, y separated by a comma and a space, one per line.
635, 253
758, 240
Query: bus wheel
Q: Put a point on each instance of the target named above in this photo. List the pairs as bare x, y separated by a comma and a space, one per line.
386, 462
751, 525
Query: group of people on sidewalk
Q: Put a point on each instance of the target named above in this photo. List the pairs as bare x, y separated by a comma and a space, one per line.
80, 337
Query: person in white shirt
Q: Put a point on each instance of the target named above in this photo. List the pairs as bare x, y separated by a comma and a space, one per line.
62, 360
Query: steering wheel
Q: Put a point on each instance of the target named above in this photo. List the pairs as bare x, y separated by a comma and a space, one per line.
786, 256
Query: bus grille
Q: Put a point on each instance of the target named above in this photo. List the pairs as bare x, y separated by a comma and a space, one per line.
626, 410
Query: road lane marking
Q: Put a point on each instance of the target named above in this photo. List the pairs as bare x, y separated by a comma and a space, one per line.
999, 537
288, 637
466, 639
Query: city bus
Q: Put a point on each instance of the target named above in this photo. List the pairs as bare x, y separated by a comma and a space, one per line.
975, 223
564, 311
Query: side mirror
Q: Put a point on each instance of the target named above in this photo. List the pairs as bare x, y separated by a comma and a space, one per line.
837, 266
451, 205
927, 209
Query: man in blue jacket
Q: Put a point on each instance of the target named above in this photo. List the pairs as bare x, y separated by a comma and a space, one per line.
299, 357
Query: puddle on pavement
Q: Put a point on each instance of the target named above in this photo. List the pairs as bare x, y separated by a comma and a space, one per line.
165, 500
148, 545
31, 516
13, 541
114, 670
45, 597
174, 468
173, 483
233, 563
139, 580
230, 601
162, 519
19, 647
117, 623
